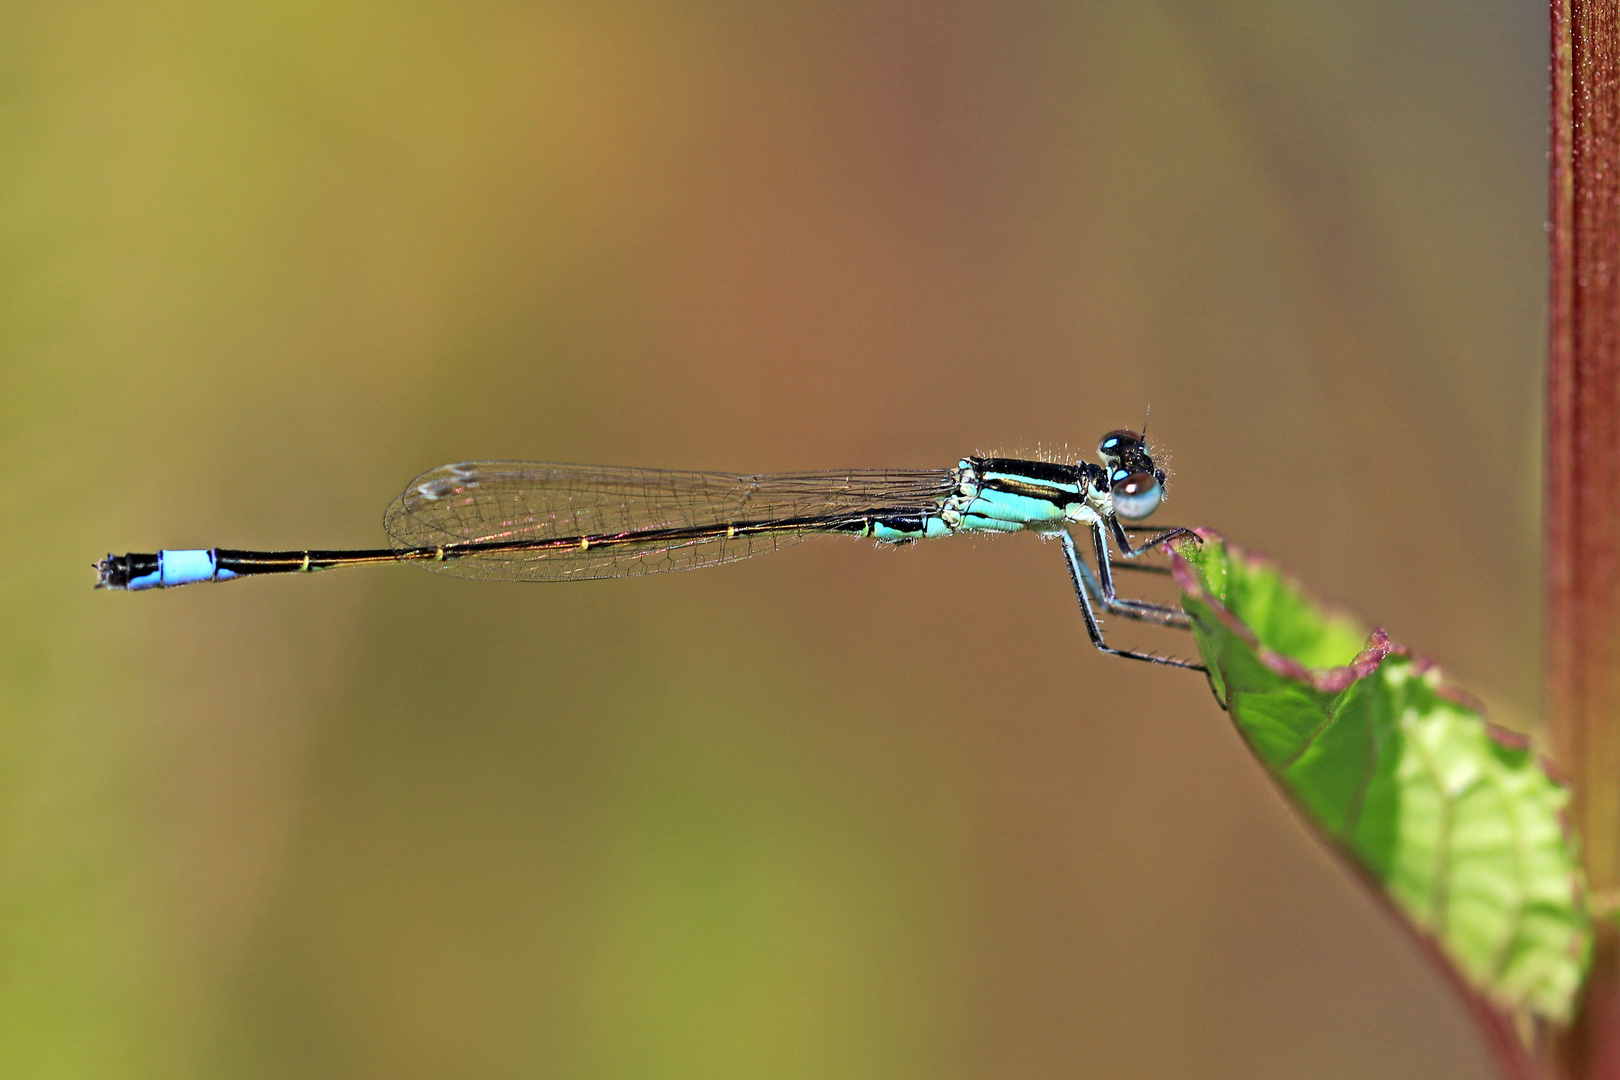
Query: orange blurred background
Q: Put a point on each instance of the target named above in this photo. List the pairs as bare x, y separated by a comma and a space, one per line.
832, 813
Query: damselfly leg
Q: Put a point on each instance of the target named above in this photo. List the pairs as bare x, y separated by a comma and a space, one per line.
1153, 568
1169, 534
1133, 609
1078, 575
1137, 610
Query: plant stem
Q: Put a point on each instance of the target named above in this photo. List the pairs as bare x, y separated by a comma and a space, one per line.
1583, 482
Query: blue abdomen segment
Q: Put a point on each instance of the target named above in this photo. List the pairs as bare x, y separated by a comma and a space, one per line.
183, 567
162, 570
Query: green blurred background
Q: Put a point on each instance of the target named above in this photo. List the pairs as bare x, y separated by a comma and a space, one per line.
833, 813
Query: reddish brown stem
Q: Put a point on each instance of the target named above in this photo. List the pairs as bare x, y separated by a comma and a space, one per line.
1583, 480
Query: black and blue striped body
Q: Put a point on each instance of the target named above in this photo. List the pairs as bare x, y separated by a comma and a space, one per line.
532, 521
981, 495
1001, 495
1012, 494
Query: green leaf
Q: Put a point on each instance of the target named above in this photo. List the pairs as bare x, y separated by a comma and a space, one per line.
1454, 820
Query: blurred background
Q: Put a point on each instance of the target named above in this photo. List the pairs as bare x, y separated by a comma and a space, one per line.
833, 813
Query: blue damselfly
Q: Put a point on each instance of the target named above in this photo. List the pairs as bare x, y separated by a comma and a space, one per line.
526, 521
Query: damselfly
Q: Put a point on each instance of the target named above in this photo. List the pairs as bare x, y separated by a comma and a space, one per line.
525, 521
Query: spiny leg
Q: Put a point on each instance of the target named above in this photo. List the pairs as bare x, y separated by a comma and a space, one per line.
1143, 568
1123, 608
1167, 535
1161, 533
1092, 627
1160, 613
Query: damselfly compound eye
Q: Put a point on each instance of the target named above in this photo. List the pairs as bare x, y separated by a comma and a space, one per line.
1137, 497
1118, 444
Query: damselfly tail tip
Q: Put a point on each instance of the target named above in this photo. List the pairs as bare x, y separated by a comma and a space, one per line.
109, 574
115, 571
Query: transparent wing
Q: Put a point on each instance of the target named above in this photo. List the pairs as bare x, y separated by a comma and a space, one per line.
527, 521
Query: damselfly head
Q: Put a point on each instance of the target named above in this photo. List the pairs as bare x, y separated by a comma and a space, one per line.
1136, 484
